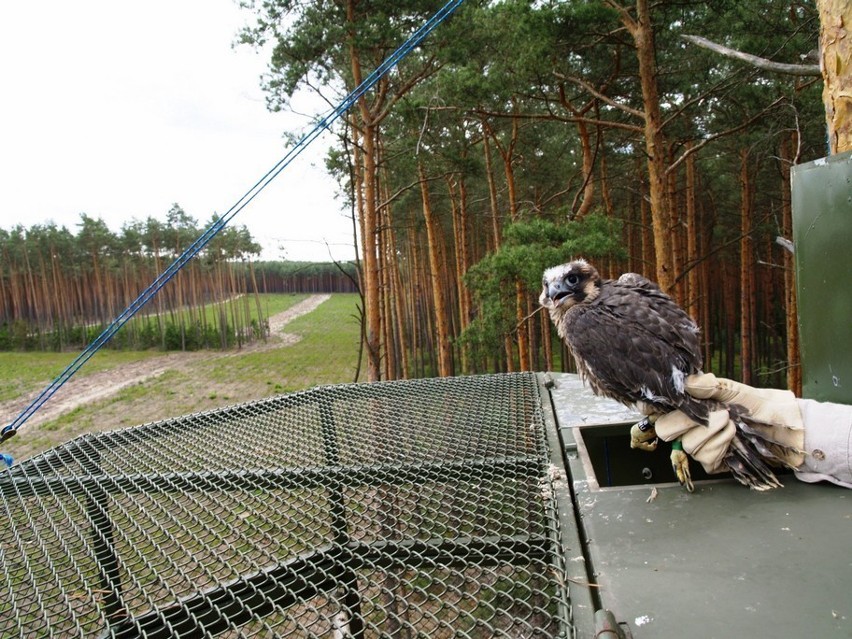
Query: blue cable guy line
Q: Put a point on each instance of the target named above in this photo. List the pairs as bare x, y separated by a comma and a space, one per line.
413, 41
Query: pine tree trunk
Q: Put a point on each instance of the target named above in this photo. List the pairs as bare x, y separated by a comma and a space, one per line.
585, 194
401, 302
634, 238
369, 249
835, 39
729, 310
155, 249
60, 292
179, 303
547, 340
415, 317
368, 213
649, 262
606, 195
532, 333
458, 202
523, 342
509, 170
642, 32
746, 273
436, 268
232, 305
386, 294
794, 368
588, 190
692, 293
261, 322
677, 242
45, 323
507, 153
711, 332
492, 188
508, 347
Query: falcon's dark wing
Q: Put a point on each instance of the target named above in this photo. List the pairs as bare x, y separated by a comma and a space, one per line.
636, 345
660, 315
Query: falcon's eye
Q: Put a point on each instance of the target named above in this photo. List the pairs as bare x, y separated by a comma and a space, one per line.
572, 279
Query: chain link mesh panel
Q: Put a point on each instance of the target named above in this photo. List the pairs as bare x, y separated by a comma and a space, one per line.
406, 509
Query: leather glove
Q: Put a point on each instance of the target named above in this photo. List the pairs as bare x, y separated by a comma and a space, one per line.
707, 445
774, 412
766, 405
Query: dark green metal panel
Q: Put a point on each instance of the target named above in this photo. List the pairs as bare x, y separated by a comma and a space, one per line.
721, 562
822, 232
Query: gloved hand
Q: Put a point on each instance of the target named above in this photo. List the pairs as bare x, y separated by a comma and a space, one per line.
815, 438
708, 445
765, 405
775, 412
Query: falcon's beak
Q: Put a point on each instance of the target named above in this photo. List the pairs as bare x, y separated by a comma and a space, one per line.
552, 296
559, 295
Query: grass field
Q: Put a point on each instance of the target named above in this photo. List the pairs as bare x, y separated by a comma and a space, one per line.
325, 353
210, 313
22, 373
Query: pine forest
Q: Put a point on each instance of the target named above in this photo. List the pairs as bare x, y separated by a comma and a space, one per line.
520, 134
61, 289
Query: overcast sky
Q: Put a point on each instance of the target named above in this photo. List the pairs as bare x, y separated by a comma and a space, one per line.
119, 109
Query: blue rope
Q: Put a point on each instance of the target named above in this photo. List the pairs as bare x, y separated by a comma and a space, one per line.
413, 41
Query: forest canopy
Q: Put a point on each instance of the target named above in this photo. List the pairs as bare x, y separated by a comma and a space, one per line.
59, 288
519, 134
517, 120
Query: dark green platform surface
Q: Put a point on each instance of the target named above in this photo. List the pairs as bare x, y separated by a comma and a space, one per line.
725, 562
722, 562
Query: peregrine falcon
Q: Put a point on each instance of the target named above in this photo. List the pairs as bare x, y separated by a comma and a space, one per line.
630, 340
634, 344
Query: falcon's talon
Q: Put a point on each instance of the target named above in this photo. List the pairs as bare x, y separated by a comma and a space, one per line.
643, 436
680, 466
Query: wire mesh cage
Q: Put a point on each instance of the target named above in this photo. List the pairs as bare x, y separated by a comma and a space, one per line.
407, 509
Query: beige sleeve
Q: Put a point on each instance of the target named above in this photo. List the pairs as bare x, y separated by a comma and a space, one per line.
828, 442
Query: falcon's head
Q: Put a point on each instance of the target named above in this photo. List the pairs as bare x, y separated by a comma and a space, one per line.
568, 284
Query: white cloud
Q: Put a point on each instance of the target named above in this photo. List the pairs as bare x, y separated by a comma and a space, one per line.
120, 109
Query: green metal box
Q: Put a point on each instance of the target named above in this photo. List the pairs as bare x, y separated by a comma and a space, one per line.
822, 233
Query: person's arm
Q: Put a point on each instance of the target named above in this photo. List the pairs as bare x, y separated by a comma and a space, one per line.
816, 437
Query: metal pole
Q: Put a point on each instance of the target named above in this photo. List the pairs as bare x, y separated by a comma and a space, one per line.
354, 622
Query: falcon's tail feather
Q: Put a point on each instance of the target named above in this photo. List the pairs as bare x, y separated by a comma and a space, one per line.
748, 467
774, 451
751, 454
698, 410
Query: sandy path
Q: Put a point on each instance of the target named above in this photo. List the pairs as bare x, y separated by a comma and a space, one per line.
98, 386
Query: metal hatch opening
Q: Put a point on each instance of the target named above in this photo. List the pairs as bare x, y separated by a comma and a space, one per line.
612, 462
